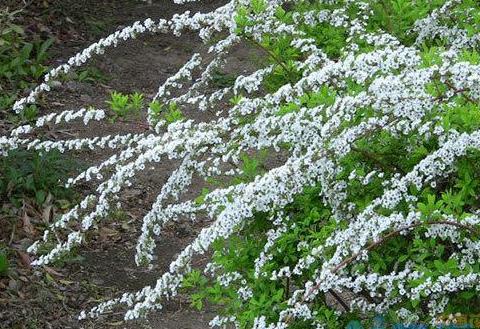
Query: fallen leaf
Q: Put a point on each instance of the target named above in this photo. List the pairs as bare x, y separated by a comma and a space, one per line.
116, 324
47, 214
106, 233
23, 278
27, 225
24, 259
49, 199
53, 272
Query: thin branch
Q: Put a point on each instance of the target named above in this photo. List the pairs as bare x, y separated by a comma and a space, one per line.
460, 91
373, 245
371, 156
274, 57
339, 300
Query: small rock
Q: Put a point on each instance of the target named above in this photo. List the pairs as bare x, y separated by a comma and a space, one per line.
13, 284
73, 85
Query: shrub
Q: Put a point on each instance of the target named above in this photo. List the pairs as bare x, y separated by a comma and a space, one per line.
375, 105
34, 175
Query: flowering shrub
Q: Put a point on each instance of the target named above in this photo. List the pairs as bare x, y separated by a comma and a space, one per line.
374, 210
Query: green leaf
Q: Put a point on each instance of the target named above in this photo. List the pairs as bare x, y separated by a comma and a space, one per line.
40, 196
438, 264
197, 301
26, 51
42, 51
258, 6
201, 198
415, 302
468, 294
3, 263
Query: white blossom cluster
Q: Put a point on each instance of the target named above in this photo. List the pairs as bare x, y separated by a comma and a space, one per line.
394, 100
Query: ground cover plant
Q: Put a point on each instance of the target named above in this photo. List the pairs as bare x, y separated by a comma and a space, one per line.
21, 60
27, 177
374, 107
31, 192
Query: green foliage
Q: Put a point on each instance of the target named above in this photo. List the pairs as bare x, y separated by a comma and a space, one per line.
222, 80
21, 60
237, 254
201, 198
123, 105
136, 101
455, 195
173, 113
325, 96
34, 175
118, 104
156, 110
91, 75
398, 16
251, 167
311, 221
169, 113
3, 263
29, 114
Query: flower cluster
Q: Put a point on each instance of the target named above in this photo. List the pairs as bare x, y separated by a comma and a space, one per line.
379, 120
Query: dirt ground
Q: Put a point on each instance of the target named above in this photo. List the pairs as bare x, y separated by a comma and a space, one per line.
105, 267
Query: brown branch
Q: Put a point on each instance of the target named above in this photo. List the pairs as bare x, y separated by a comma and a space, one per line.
460, 91
339, 300
384, 166
274, 57
392, 234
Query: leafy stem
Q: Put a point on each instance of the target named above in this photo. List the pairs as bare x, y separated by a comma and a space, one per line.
381, 241
275, 58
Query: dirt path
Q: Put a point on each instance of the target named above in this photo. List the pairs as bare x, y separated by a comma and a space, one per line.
105, 266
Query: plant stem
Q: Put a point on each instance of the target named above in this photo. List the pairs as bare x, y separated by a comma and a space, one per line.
373, 245
371, 156
275, 58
